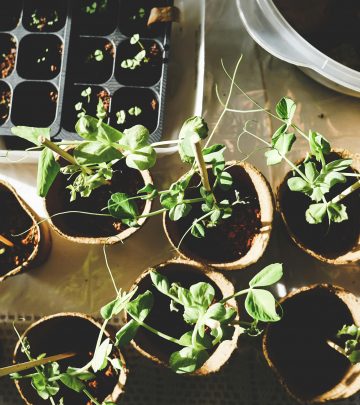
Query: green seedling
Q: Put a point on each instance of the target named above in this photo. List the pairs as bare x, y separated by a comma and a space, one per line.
351, 346
139, 59
121, 115
39, 22
96, 6
140, 14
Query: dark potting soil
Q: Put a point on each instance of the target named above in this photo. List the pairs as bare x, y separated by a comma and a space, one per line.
332, 26
62, 335
5, 99
14, 220
161, 318
124, 180
7, 54
44, 16
329, 241
40, 56
297, 344
233, 238
10, 14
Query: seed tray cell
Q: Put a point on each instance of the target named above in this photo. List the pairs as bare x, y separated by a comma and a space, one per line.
52, 52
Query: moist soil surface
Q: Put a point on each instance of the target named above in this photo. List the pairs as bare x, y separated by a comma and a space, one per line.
7, 54
14, 220
328, 25
10, 14
5, 99
161, 318
330, 241
62, 335
233, 238
124, 180
297, 344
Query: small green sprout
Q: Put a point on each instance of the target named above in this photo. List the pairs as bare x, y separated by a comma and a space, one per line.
121, 117
352, 344
86, 93
136, 111
139, 58
96, 6
98, 55
139, 15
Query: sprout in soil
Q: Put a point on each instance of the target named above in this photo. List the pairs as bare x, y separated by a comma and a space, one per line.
121, 115
139, 59
40, 22
97, 55
43, 58
351, 346
140, 14
95, 7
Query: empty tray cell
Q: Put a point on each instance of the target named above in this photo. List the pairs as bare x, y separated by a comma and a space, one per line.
134, 16
44, 15
7, 54
131, 106
5, 100
40, 56
34, 104
95, 17
138, 62
81, 99
93, 60
10, 12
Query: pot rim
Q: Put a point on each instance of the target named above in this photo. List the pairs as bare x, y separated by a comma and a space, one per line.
225, 349
261, 239
341, 390
119, 387
353, 255
42, 248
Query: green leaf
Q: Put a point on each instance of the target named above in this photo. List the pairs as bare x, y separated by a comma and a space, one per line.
187, 360
310, 171
142, 159
160, 282
269, 275
169, 199
285, 109
99, 361
338, 165
351, 330
150, 190
179, 211
337, 212
48, 169
197, 230
225, 181
72, 382
135, 137
127, 333
134, 39
120, 206
272, 157
116, 306
319, 146
92, 129
214, 153
354, 357
333, 178
83, 375
192, 126
298, 184
281, 130
95, 152
216, 311
141, 306
31, 134
316, 213
202, 293
261, 305
284, 143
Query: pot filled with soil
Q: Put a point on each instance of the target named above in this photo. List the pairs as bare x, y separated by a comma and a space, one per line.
95, 229
41, 16
163, 317
70, 333
132, 106
18, 253
335, 242
10, 14
237, 241
40, 56
8, 48
300, 347
5, 101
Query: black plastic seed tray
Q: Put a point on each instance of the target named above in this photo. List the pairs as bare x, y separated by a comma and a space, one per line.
53, 51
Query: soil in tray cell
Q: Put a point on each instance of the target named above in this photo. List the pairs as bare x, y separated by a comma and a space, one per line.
44, 15
34, 104
40, 56
133, 106
93, 60
80, 99
138, 64
95, 17
14, 220
134, 16
10, 12
7, 54
5, 100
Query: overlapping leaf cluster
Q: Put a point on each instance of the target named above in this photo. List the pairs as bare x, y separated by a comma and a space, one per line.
352, 343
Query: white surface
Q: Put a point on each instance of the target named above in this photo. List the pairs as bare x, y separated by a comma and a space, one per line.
75, 276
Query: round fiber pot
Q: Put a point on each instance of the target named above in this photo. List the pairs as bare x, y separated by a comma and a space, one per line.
70, 332
90, 229
337, 244
172, 323
296, 347
238, 241
30, 249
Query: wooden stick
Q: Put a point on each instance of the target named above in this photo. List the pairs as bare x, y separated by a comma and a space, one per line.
16, 368
346, 192
5, 241
336, 347
199, 158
